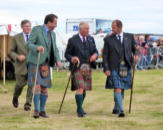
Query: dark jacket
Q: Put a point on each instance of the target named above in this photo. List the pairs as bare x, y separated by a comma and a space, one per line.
75, 47
112, 51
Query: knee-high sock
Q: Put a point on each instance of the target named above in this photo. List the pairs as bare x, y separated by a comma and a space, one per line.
79, 101
36, 101
122, 93
84, 95
118, 98
116, 107
43, 99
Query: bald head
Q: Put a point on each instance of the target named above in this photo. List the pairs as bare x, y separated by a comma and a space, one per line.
84, 28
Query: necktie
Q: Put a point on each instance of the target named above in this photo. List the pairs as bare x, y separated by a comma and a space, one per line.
84, 42
26, 38
119, 38
49, 36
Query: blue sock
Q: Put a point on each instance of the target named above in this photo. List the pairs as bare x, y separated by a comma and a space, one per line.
116, 107
43, 99
118, 98
122, 95
36, 101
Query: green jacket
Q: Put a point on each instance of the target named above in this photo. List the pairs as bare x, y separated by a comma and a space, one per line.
38, 37
18, 47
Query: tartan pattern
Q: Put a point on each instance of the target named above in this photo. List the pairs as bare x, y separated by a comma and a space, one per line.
41, 90
79, 81
115, 81
45, 82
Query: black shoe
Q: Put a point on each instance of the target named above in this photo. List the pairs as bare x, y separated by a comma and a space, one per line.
27, 108
36, 114
81, 115
43, 114
84, 112
122, 114
15, 102
115, 112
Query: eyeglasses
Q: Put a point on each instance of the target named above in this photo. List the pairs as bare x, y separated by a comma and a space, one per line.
27, 26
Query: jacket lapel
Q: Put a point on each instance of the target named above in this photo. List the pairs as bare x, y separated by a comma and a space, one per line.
125, 41
21, 37
116, 44
80, 44
53, 40
45, 36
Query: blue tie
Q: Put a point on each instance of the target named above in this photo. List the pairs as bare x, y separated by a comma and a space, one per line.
119, 38
26, 38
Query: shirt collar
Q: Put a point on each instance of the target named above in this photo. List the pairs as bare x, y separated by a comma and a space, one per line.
81, 37
26, 34
25, 37
121, 34
46, 29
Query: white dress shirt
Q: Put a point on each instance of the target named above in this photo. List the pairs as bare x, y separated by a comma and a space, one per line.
25, 37
121, 35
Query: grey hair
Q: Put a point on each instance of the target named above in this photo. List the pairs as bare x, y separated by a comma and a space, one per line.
25, 21
81, 25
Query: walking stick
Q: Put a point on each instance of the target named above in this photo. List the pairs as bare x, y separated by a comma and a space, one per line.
67, 86
133, 74
38, 60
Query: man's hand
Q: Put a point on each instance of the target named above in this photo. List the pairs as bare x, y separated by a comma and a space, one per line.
135, 58
21, 57
107, 72
40, 49
75, 59
93, 57
59, 64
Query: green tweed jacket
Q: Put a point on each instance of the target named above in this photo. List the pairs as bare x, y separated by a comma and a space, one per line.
38, 37
18, 47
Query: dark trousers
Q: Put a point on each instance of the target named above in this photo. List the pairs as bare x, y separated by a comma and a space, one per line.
21, 81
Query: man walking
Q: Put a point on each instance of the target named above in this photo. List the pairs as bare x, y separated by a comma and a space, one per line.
42, 40
18, 53
119, 48
81, 49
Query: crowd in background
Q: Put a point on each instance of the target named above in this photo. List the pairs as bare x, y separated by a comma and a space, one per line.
150, 52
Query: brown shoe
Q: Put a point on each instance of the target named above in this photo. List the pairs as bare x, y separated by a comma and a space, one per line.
43, 114
36, 114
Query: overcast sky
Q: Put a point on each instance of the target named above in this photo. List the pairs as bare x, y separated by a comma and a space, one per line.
140, 16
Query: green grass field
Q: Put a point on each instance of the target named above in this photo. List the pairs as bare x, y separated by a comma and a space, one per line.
146, 114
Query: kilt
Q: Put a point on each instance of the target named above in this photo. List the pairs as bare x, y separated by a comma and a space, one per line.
115, 81
44, 82
79, 81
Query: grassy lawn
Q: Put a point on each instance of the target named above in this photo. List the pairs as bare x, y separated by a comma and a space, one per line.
146, 114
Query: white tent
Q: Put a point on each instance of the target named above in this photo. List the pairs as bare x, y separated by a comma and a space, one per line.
9, 26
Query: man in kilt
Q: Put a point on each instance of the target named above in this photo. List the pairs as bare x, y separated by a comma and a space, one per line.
81, 49
43, 40
118, 57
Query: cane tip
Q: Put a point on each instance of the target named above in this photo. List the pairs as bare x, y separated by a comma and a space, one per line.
5, 91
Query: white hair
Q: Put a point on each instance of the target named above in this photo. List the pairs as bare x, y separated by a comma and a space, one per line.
141, 37
81, 25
